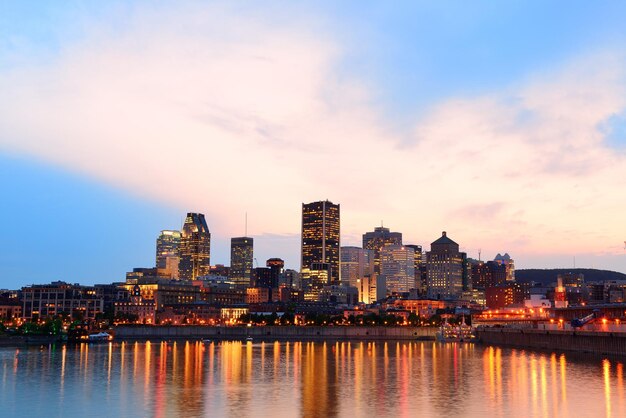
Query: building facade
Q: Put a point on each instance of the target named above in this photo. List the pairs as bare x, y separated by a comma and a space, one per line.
444, 264
397, 264
60, 298
241, 259
377, 239
195, 247
321, 237
168, 254
356, 263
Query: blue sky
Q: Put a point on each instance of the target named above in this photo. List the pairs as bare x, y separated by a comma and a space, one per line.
102, 100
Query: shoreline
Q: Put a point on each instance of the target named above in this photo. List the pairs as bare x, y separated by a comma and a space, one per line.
311, 333
611, 344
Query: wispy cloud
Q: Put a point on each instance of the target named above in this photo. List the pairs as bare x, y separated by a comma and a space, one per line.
228, 112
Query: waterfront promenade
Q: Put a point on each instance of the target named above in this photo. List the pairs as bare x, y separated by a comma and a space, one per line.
312, 333
599, 343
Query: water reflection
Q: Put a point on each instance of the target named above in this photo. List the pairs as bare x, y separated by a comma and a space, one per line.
306, 379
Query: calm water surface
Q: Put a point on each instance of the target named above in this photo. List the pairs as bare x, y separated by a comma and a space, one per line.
305, 379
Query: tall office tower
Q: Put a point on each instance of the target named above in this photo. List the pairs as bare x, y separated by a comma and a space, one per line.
444, 264
195, 247
378, 239
397, 264
167, 254
241, 258
320, 237
417, 264
356, 264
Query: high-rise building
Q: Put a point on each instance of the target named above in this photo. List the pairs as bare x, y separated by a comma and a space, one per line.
195, 247
444, 264
356, 263
397, 265
314, 278
417, 265
241, 258
320, 237
377, 239
167, 254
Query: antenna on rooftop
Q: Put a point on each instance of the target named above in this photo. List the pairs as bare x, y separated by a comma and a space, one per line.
479, 251
246, 231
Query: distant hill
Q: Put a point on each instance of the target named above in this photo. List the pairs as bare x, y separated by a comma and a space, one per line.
547, 276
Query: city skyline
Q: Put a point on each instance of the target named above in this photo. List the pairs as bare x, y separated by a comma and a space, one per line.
501, 124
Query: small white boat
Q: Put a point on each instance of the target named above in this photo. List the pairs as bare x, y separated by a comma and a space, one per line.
100, 336
249, 339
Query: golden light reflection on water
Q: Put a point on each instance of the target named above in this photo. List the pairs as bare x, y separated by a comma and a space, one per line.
314, 379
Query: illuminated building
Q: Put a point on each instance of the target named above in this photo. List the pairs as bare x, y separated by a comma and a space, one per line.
444, 264
505, 295
290, 278
241, 258
488, 274
344, 295
377, 239
230, 315
572, 279
195, 247
314, 278
560, 298
397, 264
320, 237
258, 295
163, 292
356, 264
136, 309
10, 309
167, 254
417, 265
56, 298
425, 308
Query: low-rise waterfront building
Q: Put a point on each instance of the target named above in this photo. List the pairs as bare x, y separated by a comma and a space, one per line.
61, 298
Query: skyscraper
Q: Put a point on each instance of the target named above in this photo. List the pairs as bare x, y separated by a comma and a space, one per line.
241, 258
167, 254
377, 239
397, 265
356, 263
320, 237
195, 247
444, 264
418, 264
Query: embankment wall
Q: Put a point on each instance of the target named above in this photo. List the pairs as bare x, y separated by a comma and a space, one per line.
130, 332
600, 343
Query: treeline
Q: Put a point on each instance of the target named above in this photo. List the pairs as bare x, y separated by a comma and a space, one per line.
548, 276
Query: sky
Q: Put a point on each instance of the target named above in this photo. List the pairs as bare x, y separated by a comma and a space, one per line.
502, 123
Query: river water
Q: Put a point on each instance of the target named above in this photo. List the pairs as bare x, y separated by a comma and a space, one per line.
305, 379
